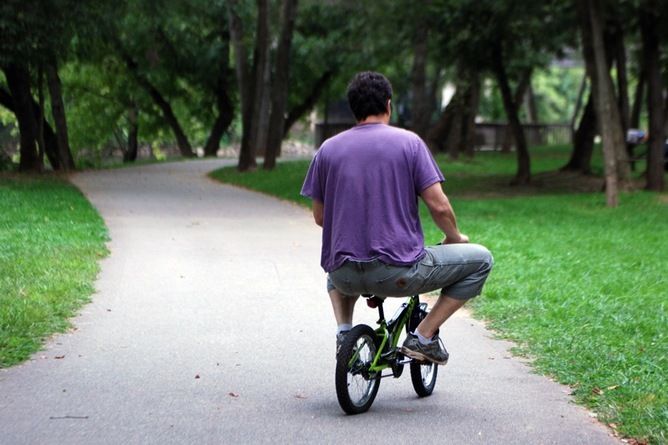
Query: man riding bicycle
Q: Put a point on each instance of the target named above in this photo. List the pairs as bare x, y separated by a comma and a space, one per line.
365, 184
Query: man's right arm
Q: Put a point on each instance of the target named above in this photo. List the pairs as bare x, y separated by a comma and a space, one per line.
318, 212
442, 213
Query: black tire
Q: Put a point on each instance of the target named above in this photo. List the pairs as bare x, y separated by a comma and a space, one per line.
423, 374
356, 388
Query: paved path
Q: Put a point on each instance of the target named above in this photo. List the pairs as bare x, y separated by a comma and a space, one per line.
211, 326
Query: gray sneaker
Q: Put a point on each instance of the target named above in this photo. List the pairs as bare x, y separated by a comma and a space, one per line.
433, 352
339, 341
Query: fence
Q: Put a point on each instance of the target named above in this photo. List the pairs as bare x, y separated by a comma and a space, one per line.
493, 136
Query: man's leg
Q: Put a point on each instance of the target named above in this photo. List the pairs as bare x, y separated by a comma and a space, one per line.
343, 307
460, 270
445, 306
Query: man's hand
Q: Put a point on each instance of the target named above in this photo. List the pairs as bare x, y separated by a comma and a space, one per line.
463, 239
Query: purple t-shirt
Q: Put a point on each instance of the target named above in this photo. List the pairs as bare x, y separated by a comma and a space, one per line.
368, 179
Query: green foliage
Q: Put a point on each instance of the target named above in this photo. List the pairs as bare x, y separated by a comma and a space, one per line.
51, 240
555, 90
581, 288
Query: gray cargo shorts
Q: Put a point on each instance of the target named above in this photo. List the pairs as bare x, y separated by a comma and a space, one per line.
459, 270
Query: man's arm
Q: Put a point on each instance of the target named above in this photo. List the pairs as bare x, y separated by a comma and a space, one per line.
318, 208
442, 213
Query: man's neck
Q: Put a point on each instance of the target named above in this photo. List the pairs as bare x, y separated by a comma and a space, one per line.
375, 119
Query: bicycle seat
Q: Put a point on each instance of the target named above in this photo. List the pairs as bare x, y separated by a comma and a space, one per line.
373, 301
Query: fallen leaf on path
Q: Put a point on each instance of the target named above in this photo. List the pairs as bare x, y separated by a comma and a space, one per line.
196, 376
233, 394
300, 396
58, 357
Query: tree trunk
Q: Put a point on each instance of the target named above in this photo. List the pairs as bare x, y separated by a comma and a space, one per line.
618, 52
130, 154
223, 101
520, 93
259, 125
578, 105
59, 118
279, 91
420, 115
40, 115
309, 101
18, 81
583, 140
51, 145
246, 154
636, 109
607, 112
470, 113
220, 126
453, 141
167, 112
532, 107
523, 175
649, 30
439, 131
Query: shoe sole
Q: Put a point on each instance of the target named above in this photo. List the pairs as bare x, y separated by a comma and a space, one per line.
415, 355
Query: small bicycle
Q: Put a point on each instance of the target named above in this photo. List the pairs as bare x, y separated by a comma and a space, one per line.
365, 353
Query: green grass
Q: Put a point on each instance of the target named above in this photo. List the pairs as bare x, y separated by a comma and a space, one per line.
581, 288
50, 241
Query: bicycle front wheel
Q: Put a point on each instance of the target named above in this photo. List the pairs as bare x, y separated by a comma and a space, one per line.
356, 386
423, 376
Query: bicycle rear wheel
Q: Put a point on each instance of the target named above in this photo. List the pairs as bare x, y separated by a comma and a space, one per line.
356, 386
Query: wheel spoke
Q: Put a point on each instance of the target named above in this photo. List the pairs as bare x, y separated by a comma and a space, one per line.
360, 383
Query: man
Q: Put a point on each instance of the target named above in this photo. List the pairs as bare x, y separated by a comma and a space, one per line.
365, 184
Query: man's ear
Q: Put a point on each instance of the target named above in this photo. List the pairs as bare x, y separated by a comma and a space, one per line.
389, 106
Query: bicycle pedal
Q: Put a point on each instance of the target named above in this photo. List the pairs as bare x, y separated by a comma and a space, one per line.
388, 354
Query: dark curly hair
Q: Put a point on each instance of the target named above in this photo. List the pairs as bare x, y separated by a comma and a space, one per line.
368, 94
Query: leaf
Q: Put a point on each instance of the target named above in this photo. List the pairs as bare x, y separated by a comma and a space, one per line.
233, 394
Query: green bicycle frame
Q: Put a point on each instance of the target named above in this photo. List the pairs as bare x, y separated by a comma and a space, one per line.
397, 323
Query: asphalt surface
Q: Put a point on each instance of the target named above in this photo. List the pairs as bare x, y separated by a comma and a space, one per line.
211, 325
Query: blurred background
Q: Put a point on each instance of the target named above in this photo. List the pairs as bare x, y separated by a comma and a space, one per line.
90, 83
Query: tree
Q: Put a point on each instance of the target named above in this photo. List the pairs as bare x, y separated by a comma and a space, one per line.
18, 80
35, 35
279, 88
609, 120
249, 77
649, 29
